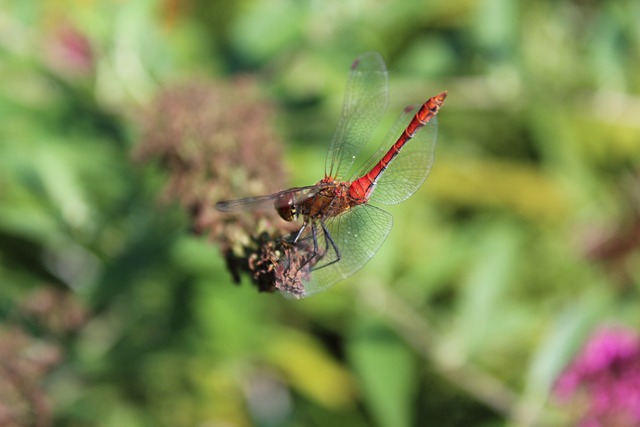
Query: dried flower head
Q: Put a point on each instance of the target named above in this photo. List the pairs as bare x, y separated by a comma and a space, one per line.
215, 142
57, 311
292, 271
25, 361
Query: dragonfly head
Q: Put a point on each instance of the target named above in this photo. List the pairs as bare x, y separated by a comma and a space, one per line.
287, 208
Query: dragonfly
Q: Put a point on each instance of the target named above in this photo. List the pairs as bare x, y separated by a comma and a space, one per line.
341, 227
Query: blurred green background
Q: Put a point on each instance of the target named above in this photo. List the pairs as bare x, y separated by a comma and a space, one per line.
523, 238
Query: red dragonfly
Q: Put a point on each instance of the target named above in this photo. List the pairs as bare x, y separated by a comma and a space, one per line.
341, 231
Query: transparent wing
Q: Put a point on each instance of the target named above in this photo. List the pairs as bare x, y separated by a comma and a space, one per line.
365, 101
408, 170
357, 234
268, 202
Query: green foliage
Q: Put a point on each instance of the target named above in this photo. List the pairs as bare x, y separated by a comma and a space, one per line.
386, 369
523, 238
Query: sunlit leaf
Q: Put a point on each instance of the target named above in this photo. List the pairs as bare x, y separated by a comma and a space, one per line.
386, 369
311, 370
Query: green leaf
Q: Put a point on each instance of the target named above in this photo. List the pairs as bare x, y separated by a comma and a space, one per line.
386, 370
486, 285
310, 369
564, 338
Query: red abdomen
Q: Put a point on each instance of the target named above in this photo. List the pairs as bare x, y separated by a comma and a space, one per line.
361, 189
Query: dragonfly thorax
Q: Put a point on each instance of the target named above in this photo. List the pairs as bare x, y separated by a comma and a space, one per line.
331, 200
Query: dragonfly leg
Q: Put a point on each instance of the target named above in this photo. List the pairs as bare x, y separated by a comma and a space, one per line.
294, 242
304, 226
314, 236
316, 254
328, 240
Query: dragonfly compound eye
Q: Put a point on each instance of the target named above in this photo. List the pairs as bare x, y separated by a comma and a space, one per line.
286, 208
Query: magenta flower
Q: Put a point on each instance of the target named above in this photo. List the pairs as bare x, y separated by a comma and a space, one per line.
603, 381
69, 51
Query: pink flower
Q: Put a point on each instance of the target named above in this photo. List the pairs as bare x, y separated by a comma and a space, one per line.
604, 379
70, 52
